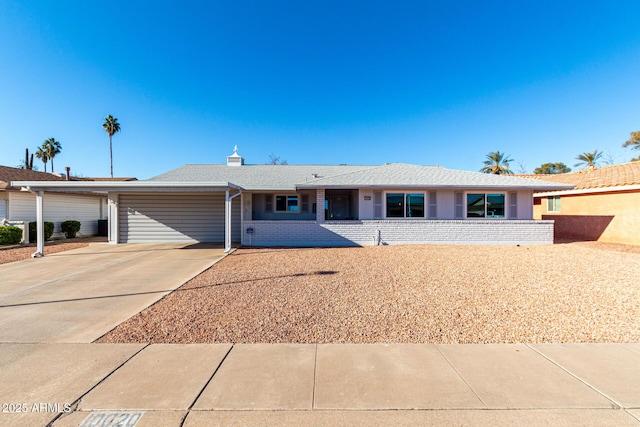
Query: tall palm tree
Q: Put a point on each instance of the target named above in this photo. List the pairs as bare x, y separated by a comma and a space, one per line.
52, 147
111, 127
589, 160
42, 155
497, 163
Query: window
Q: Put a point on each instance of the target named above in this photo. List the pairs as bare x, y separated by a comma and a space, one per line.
480, 205
286, 203
395, 205
553, 204
415, 205
405, 205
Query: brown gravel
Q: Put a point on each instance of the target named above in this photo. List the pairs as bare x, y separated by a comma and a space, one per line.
403, 294
24, 252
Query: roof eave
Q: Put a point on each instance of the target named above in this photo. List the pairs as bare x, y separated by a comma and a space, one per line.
634, 187
438, 187
123, 186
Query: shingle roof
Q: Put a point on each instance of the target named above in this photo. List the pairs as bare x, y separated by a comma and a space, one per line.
255, 177
268, 177
407, 175
8, 174
603, 177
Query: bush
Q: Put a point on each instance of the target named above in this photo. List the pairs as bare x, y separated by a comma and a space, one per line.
48, 231
70, 228
10, 235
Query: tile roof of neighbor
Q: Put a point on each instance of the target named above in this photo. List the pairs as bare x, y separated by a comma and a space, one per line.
267, 177
602, 177
8, 174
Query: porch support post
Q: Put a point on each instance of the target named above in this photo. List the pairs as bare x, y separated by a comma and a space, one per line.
320, 205
39, 225
227, 219
227, 222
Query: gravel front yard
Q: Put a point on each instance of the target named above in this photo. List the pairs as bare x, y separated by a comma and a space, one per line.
403, 294
24, 252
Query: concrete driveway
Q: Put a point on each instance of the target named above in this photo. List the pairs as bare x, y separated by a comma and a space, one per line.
79, 295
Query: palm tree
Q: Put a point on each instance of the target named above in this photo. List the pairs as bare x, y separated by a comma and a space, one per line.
497, 163
111, 127
42, 155
52, 147
589, 160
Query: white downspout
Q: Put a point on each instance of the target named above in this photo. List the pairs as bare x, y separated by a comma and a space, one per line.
227, 220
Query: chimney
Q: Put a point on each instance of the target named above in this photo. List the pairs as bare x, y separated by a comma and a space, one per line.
235, 159
68, 169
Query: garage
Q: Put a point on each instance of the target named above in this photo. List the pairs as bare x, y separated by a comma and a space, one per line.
175, 217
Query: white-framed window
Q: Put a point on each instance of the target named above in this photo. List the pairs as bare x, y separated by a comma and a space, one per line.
405, 205
286, 203
553, 204
485, 205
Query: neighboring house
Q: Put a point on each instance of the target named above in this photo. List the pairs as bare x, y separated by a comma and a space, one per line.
17, 205
316, 205
603, 206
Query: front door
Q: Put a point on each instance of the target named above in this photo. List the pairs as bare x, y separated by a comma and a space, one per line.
338, 207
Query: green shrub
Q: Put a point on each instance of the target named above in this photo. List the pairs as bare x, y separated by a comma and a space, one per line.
10, 235
48, 231
70, 228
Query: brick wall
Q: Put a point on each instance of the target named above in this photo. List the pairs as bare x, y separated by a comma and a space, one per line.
372, 232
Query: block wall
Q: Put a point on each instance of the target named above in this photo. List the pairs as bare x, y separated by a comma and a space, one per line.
375, 232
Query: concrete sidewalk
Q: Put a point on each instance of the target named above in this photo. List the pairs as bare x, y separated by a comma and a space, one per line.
324, 384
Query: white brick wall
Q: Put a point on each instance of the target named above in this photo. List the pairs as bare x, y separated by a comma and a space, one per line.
371, 232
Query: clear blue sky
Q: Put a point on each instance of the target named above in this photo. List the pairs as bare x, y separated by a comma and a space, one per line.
325, 82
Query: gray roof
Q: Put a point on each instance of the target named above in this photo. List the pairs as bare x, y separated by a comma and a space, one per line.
256, 177
401, 175
392, 175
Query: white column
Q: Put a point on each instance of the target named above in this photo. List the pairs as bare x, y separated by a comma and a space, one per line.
227, 222
112, 218
39, 224
320, 205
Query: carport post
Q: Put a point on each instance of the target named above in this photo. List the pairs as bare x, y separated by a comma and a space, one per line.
227, 219
39, 225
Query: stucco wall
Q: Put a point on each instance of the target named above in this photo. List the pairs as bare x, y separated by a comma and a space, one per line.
371, 232
605, 217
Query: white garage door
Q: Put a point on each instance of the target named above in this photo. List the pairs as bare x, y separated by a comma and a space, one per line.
148, 218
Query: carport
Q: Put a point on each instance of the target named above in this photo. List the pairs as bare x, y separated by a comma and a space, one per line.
154, 212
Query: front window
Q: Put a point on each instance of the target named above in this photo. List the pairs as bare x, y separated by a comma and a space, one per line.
495, 205
395, 205
481, 205
553, 204
286, 203
405, 205
415, 205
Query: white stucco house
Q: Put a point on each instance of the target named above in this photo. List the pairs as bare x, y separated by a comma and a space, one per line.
18, 206
320, 205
